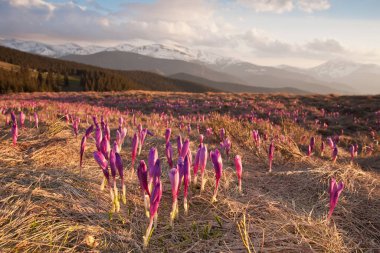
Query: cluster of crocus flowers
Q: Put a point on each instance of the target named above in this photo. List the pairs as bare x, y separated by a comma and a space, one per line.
256, 137
216, 159
334, 191
239, 170
226, 145
270, 155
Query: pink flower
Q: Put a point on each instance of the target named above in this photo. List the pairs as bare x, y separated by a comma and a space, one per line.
167, 134
174, 181
142, 174
135, 142
216, 159
101, 160
270, 155
334, 190
239, 169
169, 154
179, 144
202, 163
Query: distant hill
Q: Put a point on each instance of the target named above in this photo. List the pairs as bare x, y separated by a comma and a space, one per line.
132, 61
233, 87
39, 73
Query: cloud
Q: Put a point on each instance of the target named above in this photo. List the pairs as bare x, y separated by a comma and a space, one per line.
281, 6
276, 6
313, 5
264, 44
32, 4
327, 46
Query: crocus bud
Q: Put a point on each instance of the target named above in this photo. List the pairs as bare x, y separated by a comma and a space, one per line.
169, 154
334, 190
174, 181
14, 132
135, 142
239, 169
335, 154
352, 153
179, 144
270, 155
36, 119
202, 164
216, 159
185, 149
142, 174
101, 160
167, 134
152, 158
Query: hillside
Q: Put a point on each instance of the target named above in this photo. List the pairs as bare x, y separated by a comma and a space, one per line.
233, 87
39, 73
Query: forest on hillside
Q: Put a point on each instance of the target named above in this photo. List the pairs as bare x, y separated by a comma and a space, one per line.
27, 72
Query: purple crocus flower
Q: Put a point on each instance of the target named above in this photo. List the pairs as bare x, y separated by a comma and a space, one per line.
169, 154
270, 155
334, 190
334, 155
202, 164
196, 165
186, 182
83, 145
179, 144
330, 143
22, 119
142, 174
322, 148
98, 137
312, 144
216, 159
174, 181
152, 159
36, 119
239, 170
352, 152
135, 142
201, 139
105, 147
120, 169
14, 132
155, 199
102, 161
168, 132
222, 134
185, 149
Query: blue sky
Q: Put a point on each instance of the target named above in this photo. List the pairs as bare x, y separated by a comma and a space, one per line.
269, 32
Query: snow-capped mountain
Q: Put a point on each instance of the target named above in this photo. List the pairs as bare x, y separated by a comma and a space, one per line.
50, 50
337, 75
169, 51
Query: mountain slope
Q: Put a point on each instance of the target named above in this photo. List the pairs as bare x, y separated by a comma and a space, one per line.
39, 73
132, 61
233, 87
277, 78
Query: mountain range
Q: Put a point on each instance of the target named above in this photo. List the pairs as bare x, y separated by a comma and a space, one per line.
335, 76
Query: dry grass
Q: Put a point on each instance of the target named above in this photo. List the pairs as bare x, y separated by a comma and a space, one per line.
45, 206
